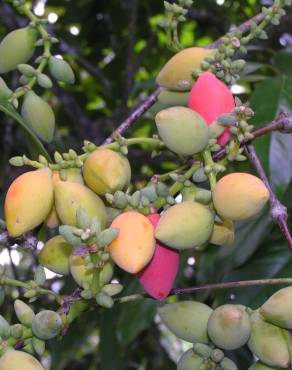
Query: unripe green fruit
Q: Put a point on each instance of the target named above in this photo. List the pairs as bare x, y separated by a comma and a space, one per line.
269, 343
177, 72
16, 360
185, 225
260, 366
189, 193
182, 130
188, 320
55, 255
167, 99
239, 196
5, 92
17, 48
46, 324
61, 70
23, 312
229, 326
106, 171
223, 233
39, 116
227, 364
190, 361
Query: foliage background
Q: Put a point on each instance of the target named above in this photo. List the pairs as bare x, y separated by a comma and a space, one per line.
116, 55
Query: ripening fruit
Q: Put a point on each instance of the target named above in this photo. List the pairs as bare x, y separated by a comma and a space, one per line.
229, 326
16, 360
55, 255
46, 324
278, 308
182, 130
158, 276
16, 48
106, 171
211, 98
177, 72
69, 196
188, 320
190, 361
61, 70
28, 201
223, 233
39, 116
167, 99
134, 246
269, 343
185, 225
260, 366
239, 196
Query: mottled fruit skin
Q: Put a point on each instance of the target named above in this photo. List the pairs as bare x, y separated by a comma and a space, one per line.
28, 201
269, 343
18, 360
46, 324
260, 366
189, 361
211, 98
229, 326
188, 320
278, 308
183, 131
17, 48
177, 73
223, 233
158, 276
134, 246
69, 196
55, 255
106, 171
239, 196
185, 225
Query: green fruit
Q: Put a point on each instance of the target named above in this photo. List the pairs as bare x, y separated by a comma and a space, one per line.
269, 343
4, 328
46, 324
17, 48
61, 70
188, 320
39, 116
167, 99
189, 361
16, 360
227, 364
223, 233
23, 312
260, 366
182, 130
185, 225
189, 193
229, 326
5, 92
55, 255
278, 308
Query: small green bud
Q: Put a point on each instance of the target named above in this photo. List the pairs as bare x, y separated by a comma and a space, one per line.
86, 294
38, 345
217, 355
149, 192
112, 289
120, 200
4, 328
68, 234
26, 69
23, 312
61, 70
16, 331
58, 157
161, 189
199, 175
203, 350
44, 81
82, 219
107, 236
135, 199
46, 324
203, 196
104, 300
31, 293
40, 275
16, 161
227, 364
5, 92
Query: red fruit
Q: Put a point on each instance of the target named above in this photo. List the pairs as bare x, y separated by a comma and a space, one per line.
158, 276
211, 98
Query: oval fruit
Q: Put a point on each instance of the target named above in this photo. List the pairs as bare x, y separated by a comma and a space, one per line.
15, 360
223, 233
260, 366
61, 70
190, 361
46, 324
167, 99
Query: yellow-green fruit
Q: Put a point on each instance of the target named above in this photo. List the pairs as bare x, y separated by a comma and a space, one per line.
69, 196
23, 312
18, 360
182, 130
239, 196
61, 70
269, 343
190, 361
17, 48
134, 246
177, 72
188, 193
229, 326
55, 255
46, 324
106, 171
5, 92
39, 116
278, 308
223, 233
185, 225
188, 320
168, 99
28, 201
260, 366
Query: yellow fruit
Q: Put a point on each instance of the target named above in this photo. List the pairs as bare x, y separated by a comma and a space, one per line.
106, 171
185, 225
134, 246
55, 255
28, 201
69, 196
18, 360
177, 72
239, 196
182, 130
223, 233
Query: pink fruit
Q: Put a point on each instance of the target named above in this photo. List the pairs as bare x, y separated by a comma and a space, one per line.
211, 98
158, 276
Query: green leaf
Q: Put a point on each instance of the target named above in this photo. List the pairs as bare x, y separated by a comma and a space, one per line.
35, 146
282, 61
